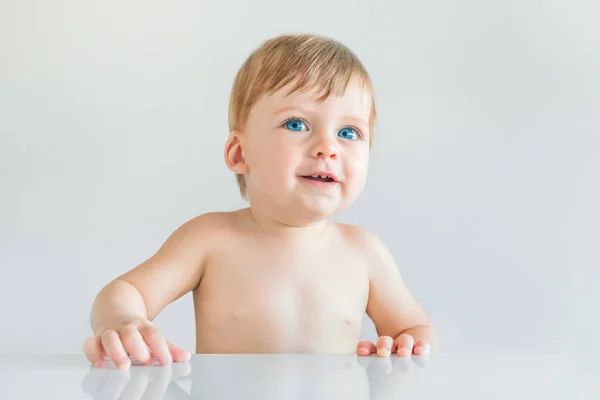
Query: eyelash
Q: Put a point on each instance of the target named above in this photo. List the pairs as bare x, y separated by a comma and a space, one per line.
294, 119
358, 131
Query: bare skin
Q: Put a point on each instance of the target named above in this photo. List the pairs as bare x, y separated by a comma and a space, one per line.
277, 277
309, 295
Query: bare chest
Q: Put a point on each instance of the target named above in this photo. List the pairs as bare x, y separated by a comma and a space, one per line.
282, 301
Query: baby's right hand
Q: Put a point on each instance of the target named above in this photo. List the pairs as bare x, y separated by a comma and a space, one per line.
137, 338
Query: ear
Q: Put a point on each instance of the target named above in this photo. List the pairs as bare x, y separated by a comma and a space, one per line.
234, 155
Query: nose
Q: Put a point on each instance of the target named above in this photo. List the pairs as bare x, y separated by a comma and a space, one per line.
325, 147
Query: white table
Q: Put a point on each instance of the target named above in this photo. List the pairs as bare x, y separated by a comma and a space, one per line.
304, 377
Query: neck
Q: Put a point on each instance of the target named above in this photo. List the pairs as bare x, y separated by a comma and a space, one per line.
287, 229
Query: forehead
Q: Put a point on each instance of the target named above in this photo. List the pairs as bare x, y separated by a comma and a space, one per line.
355, 100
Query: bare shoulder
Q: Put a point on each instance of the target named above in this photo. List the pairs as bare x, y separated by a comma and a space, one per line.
353, 234
178, 265
214, 223
209, 232
366, 242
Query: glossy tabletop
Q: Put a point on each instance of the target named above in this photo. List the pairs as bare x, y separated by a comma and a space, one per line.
491, 376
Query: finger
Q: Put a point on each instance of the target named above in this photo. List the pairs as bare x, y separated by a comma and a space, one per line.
134, 344
384, 346
111, 342
421, 348
394, 346
92, 348
178, 354
157, 344
405, 345
366, 348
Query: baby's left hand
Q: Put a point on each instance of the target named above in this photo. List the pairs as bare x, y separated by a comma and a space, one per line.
403, 346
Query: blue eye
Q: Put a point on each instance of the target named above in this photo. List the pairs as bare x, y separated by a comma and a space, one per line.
348, 133
295, 125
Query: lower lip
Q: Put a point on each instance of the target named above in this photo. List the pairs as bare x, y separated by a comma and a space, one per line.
319, 184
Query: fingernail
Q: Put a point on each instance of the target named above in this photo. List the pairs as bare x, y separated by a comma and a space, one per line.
403, 352
98, 364
384, 352
422, 349
384, 346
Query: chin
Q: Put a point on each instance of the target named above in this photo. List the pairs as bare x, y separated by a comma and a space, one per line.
321, 209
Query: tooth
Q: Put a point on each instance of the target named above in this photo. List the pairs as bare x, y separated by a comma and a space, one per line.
323, 176
315, 176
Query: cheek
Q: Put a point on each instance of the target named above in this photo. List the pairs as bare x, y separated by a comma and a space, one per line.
271, 163
274, 157
357, 165
356, 172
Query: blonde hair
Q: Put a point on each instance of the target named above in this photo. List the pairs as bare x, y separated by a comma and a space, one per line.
315, 61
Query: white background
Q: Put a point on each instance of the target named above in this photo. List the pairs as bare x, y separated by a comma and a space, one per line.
483, 182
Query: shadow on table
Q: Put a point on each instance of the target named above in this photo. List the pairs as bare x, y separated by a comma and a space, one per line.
259, 377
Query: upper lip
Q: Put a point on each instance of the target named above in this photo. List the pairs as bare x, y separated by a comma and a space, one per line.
323, 173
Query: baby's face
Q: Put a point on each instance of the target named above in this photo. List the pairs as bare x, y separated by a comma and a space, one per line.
288, 140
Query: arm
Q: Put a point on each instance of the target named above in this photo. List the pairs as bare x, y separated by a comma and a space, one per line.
391, 306
146, 290
122, 312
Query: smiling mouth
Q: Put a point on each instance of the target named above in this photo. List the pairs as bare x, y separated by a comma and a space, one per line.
319, 178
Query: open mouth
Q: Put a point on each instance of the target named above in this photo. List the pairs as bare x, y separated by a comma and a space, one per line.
319, 178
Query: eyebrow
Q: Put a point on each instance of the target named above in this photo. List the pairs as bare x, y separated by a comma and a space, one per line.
290, 108
355, 119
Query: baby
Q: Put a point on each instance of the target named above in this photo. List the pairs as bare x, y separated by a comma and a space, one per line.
278, 276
